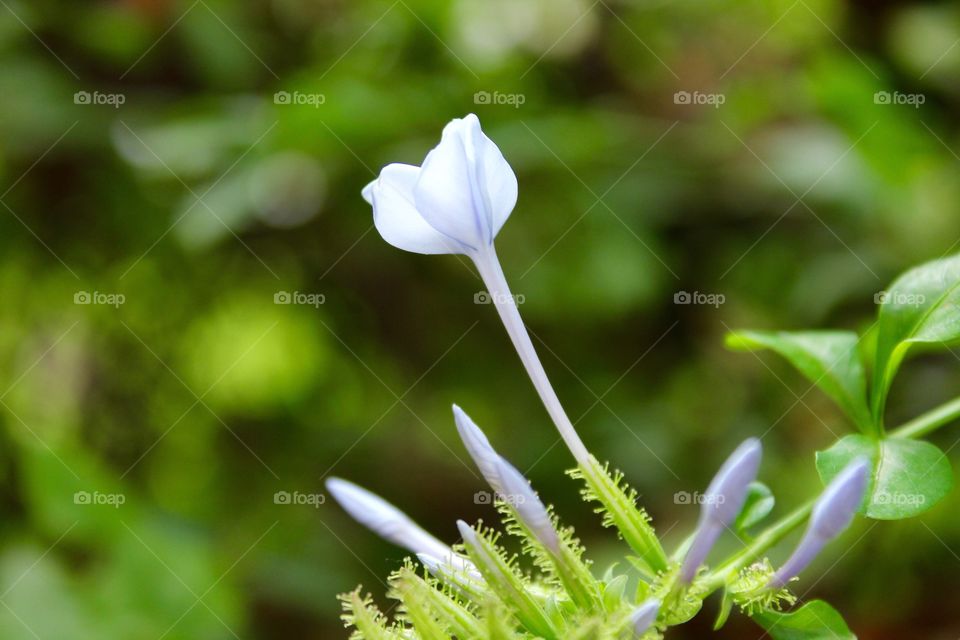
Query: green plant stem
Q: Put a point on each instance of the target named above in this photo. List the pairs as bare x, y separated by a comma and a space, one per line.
770, 536
929, 421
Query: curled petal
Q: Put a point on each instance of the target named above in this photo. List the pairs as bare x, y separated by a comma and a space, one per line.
466, 189
396, 217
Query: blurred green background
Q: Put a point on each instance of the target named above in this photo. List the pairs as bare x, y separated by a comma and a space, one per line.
160, 198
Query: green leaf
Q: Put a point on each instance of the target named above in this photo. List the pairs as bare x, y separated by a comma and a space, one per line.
756, 507
920, 307
828, 359
908, 477
815, 620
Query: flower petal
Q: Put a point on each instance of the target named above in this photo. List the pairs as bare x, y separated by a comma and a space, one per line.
466, 189
494, 175
396, 217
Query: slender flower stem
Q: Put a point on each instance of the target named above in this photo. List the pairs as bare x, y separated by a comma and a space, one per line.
929, 421
771, 536
492, 274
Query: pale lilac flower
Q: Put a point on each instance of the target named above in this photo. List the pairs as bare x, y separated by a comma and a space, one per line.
456, 202
644, 616
722, 502
831, 515
390, 523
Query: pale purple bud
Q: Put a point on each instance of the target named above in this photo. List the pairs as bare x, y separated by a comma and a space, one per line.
385, 520
838, 503
831, 515
479, 448
517, 492
722, 503
644, 616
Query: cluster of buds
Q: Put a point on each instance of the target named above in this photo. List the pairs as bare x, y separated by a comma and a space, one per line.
457, 202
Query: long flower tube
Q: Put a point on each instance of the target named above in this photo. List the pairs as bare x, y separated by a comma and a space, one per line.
456, 202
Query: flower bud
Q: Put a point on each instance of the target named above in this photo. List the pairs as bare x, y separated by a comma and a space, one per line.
387, 521
831, 515
479, 448
527, 505
644, 616
722, 503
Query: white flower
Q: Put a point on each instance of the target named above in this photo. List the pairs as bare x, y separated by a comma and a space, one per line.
455, 202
